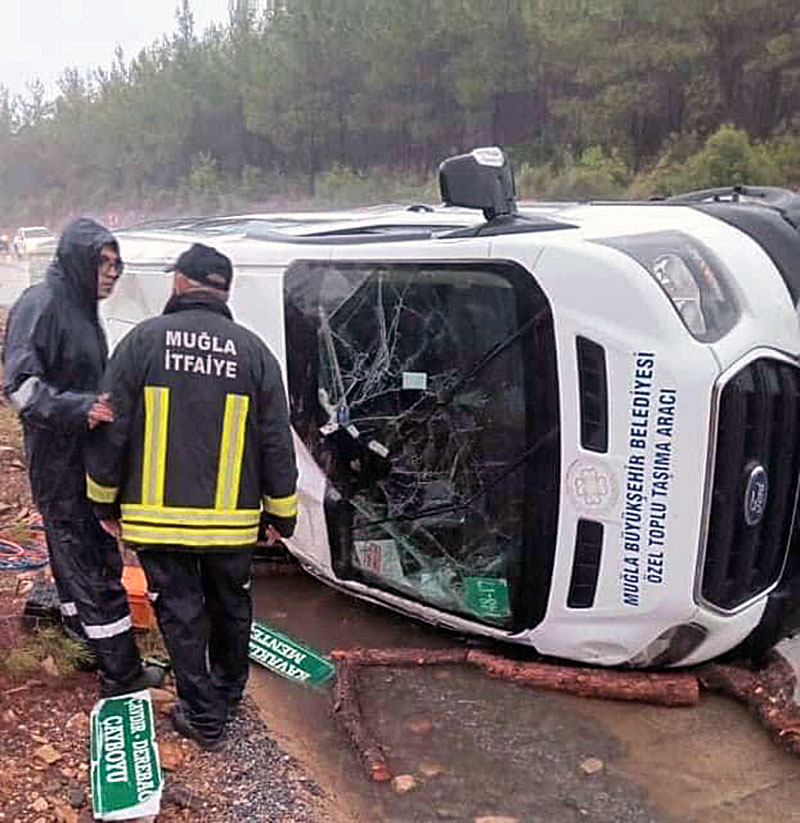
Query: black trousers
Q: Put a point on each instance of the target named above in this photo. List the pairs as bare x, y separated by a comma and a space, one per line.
204, 610
87, 569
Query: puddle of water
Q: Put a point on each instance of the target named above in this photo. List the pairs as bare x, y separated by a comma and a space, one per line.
316, 615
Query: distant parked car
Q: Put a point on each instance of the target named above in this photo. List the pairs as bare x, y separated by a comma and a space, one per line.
29, 238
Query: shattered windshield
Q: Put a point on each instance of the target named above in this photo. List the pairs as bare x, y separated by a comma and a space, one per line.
412, 393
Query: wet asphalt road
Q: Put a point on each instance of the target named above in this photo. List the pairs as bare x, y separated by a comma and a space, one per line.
13, 279
504, 750
496, 749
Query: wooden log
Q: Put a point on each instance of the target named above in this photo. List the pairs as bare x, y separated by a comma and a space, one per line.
347, 711
400, 657
671, 689
768, 694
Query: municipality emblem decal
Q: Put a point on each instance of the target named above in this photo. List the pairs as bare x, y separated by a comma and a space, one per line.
592, 485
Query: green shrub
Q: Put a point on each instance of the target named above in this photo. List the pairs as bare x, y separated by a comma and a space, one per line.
28, 654
532, 182
341, 185
253, 183
785, 154
595, 174
727, 158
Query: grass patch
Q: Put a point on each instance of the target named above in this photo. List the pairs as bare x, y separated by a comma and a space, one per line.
68, 654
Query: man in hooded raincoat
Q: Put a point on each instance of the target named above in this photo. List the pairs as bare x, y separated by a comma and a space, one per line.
54, 356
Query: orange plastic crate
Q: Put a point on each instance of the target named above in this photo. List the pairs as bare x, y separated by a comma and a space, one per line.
135, 583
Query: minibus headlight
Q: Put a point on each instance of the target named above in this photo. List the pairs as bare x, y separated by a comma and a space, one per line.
694, 279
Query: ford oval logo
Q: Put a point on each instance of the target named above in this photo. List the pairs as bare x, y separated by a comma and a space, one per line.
756, 493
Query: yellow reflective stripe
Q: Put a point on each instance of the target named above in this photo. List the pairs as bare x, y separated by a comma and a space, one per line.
136, 533
281, 506
98, 493
231, 450
156, 409
190, 517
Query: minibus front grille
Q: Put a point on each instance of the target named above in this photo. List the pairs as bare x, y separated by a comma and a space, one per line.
755, 477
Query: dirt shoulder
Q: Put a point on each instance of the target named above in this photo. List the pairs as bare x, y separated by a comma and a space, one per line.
44, 726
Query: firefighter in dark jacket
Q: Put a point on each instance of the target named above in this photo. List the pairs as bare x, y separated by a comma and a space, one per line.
199, 455
54, 356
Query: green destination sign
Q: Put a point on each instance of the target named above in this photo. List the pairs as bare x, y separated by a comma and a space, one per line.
125, 774
487, 596
280, 654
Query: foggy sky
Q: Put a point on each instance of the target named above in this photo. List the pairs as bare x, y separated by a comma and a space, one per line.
43, 37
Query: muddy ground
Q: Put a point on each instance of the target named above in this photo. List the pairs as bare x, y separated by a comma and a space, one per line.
44, 728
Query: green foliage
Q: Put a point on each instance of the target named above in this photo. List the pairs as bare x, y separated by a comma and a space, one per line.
67, 654
785, 154
342, 186
253, 183
594, 174
203, 183
666, 175
533, 181
727, 158
350, 100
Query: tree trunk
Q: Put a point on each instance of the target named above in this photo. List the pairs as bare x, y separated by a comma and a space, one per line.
347, 711
769, 694
399, 657
676, 689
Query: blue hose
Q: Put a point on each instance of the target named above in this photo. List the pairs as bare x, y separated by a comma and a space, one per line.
20, 557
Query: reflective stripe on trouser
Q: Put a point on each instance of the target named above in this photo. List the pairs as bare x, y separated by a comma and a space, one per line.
87, 568
204, 611
98, 493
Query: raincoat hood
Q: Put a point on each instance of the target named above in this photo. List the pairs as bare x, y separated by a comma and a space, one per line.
78, 257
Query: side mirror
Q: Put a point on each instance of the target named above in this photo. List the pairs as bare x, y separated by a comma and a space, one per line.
482, 179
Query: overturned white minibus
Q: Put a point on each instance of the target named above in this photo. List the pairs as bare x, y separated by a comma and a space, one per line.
570, 426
